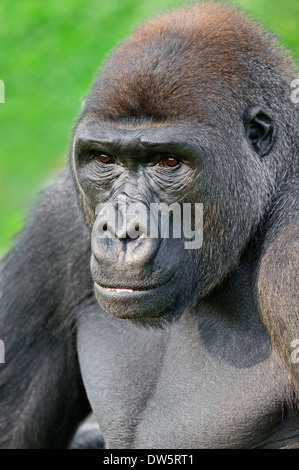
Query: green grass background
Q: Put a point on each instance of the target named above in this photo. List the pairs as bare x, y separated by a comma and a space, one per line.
49, 53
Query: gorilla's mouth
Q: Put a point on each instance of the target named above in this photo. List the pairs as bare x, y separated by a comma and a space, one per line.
138, 302
131, 289
118, 290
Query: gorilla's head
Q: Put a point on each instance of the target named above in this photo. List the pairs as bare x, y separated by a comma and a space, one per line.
190, 110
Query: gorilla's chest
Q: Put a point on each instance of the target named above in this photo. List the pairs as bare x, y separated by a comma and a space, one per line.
170, 389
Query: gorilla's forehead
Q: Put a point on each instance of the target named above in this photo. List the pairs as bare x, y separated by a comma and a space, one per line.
141, 132
185, 64
181, 137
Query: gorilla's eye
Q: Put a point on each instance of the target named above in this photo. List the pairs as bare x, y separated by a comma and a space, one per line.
105, 158
169, 161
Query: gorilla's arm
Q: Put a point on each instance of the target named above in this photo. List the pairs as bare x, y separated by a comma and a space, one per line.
42, 282
277, 277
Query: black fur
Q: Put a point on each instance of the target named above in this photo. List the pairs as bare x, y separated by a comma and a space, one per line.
198, 354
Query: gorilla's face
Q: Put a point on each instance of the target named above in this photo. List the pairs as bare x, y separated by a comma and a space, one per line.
144, 189
135, 182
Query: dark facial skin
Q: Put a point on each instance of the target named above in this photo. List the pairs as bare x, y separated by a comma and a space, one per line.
136, 278
137, 169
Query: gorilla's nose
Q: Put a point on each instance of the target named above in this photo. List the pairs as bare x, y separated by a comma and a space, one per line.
122, 234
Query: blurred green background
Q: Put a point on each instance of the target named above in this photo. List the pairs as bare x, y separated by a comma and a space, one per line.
49, 54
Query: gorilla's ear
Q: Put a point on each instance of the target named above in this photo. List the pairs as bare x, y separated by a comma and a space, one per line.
260, 130
277, 278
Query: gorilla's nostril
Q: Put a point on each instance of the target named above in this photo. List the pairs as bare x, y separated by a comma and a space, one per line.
105, 227
137, 227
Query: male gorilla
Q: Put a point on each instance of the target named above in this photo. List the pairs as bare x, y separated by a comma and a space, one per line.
176, 347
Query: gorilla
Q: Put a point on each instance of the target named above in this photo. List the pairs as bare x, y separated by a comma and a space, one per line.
168, 346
